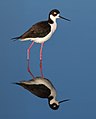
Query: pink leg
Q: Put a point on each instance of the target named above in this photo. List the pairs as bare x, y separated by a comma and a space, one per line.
28, 57
41, 59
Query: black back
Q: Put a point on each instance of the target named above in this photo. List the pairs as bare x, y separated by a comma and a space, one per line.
39, 90
40, 29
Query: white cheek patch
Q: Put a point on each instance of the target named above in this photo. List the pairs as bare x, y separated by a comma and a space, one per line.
57, 15
53, 18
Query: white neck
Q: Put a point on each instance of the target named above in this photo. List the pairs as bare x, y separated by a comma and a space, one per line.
53, 18
53, 27
53, 101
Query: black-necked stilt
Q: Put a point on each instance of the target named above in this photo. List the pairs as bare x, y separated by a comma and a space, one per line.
39, 33
42, 88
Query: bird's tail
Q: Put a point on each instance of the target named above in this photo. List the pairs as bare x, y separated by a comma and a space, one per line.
17, 83
15, 38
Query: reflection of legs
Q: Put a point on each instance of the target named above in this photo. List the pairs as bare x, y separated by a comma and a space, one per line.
41, 59
28, 57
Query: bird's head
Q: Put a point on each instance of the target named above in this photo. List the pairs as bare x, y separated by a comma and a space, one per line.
55, 104
54, 14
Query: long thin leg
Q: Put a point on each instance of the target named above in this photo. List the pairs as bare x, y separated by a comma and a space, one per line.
41, 60
28, 57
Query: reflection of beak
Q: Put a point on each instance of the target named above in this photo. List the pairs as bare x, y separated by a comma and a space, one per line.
64, 18
64, 100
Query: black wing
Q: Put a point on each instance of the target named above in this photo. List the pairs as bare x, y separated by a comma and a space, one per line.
40, 29
39, 90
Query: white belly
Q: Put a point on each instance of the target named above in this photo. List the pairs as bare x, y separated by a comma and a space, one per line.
41, 40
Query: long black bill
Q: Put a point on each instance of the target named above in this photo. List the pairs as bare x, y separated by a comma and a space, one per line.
64, 100
64, 18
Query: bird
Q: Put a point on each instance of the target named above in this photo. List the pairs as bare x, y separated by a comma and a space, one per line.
43, 88
40, 33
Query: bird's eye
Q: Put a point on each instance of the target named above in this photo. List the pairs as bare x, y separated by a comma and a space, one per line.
54, 106
55, 13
